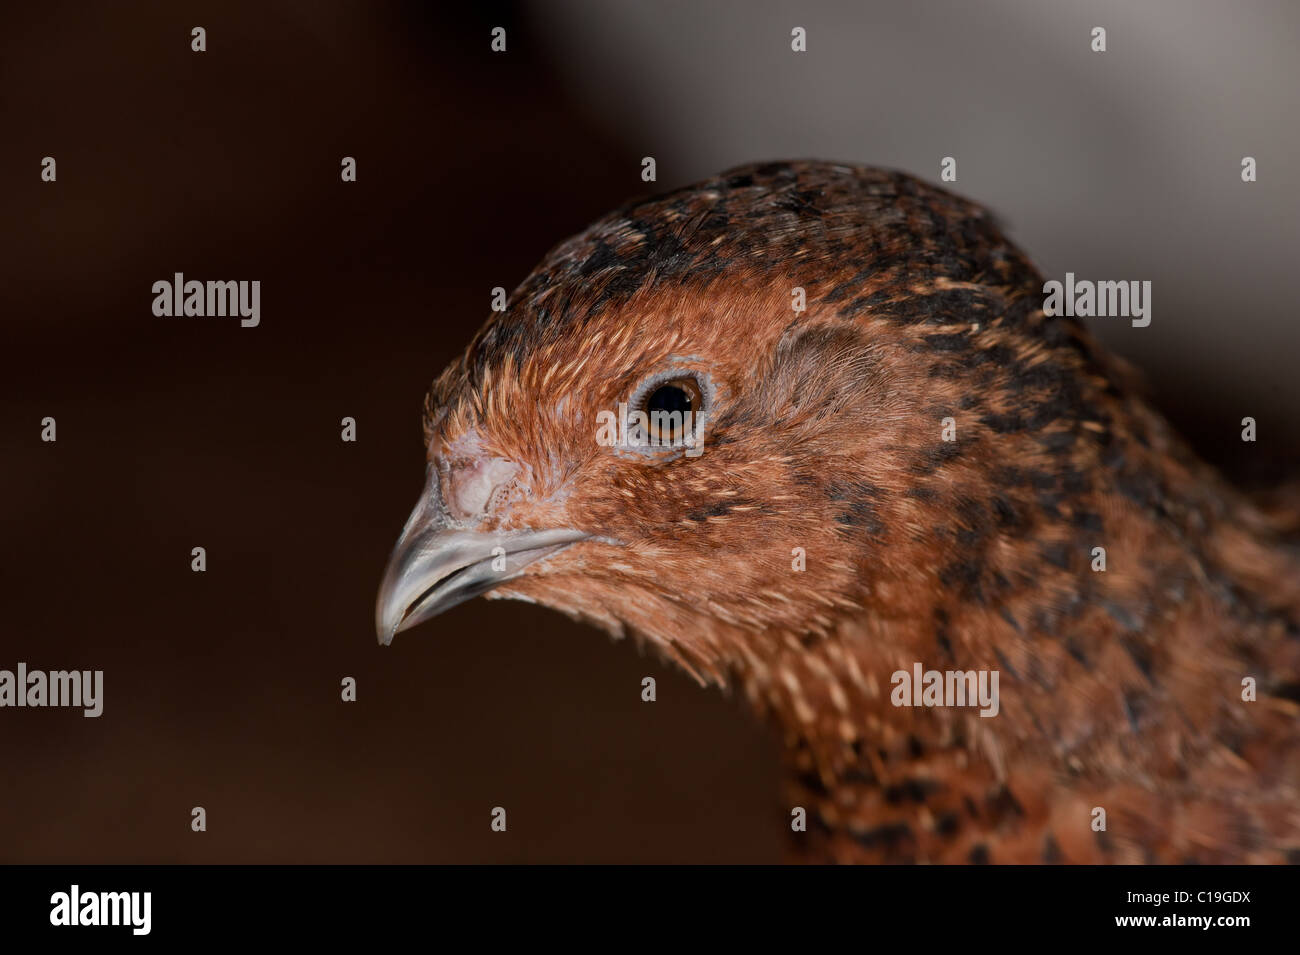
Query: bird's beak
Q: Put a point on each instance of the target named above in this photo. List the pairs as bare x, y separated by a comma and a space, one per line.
437, 564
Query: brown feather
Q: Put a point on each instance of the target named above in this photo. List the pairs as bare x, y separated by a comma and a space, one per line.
1119, 690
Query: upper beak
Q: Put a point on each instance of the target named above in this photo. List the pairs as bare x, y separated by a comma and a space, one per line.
437, 565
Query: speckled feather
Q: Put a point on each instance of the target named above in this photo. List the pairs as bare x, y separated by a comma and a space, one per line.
1119, 690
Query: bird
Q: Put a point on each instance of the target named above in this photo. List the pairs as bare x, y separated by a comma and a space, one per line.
861, 449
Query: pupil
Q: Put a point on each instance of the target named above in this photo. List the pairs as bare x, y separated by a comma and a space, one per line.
669, 398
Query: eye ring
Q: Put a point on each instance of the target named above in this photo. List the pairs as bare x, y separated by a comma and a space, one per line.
670, 409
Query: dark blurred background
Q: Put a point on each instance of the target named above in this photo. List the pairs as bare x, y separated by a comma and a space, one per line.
222, 688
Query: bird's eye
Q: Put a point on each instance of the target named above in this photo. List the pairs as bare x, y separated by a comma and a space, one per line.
672, 410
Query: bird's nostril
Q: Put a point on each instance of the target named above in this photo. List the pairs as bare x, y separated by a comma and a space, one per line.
470, 485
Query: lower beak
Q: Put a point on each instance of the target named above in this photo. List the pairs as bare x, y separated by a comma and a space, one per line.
436, 565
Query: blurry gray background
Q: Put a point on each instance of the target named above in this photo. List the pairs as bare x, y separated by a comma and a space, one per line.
1117, 165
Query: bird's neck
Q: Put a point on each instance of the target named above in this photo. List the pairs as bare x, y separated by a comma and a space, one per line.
1095, 662
875, 780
